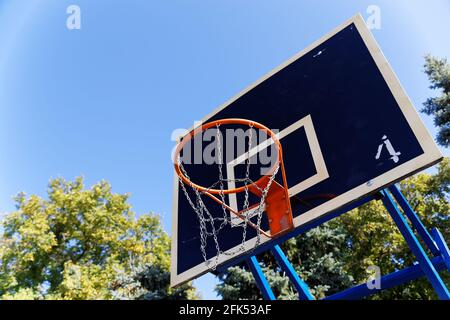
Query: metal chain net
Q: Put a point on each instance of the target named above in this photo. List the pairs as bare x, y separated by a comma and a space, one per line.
207, 222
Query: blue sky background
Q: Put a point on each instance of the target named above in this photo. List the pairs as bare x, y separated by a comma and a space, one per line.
103, 101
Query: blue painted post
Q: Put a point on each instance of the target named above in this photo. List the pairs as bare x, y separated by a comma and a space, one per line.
423, 260
260, 279
391, 280
442, 245
415, 220
299, 284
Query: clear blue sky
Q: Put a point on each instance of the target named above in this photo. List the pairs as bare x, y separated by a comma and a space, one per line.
103, 101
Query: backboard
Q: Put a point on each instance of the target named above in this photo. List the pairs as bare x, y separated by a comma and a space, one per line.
346, 126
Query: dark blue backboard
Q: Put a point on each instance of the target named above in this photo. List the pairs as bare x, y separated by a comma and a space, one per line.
355, 131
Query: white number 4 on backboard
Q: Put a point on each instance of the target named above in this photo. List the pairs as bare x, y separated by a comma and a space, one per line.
394, 154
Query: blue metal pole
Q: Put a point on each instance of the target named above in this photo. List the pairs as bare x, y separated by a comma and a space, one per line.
299, 284
388, 281
260, 279
442, 245
416, 248
415, 220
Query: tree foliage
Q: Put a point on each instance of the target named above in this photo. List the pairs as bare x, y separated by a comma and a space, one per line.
78, 243
338, 254
438, 71
149, 282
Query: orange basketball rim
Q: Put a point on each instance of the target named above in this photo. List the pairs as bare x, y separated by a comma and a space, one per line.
277, 204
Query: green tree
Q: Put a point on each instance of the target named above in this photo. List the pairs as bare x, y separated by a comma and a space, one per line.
438, 71
149, 282
78, 243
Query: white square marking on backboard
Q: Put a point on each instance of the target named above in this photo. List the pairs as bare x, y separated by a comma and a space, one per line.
319, 163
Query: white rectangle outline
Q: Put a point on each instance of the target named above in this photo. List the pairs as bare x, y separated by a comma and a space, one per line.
319, 162
430, 156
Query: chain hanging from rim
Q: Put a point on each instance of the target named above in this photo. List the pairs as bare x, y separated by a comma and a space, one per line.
208, 222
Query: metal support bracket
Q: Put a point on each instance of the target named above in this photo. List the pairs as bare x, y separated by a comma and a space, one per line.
415, 220
424, 266
424, 262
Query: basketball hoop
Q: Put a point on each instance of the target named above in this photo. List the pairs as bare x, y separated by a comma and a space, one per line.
274, 197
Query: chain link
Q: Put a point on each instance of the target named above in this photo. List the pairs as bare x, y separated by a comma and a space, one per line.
205, 217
